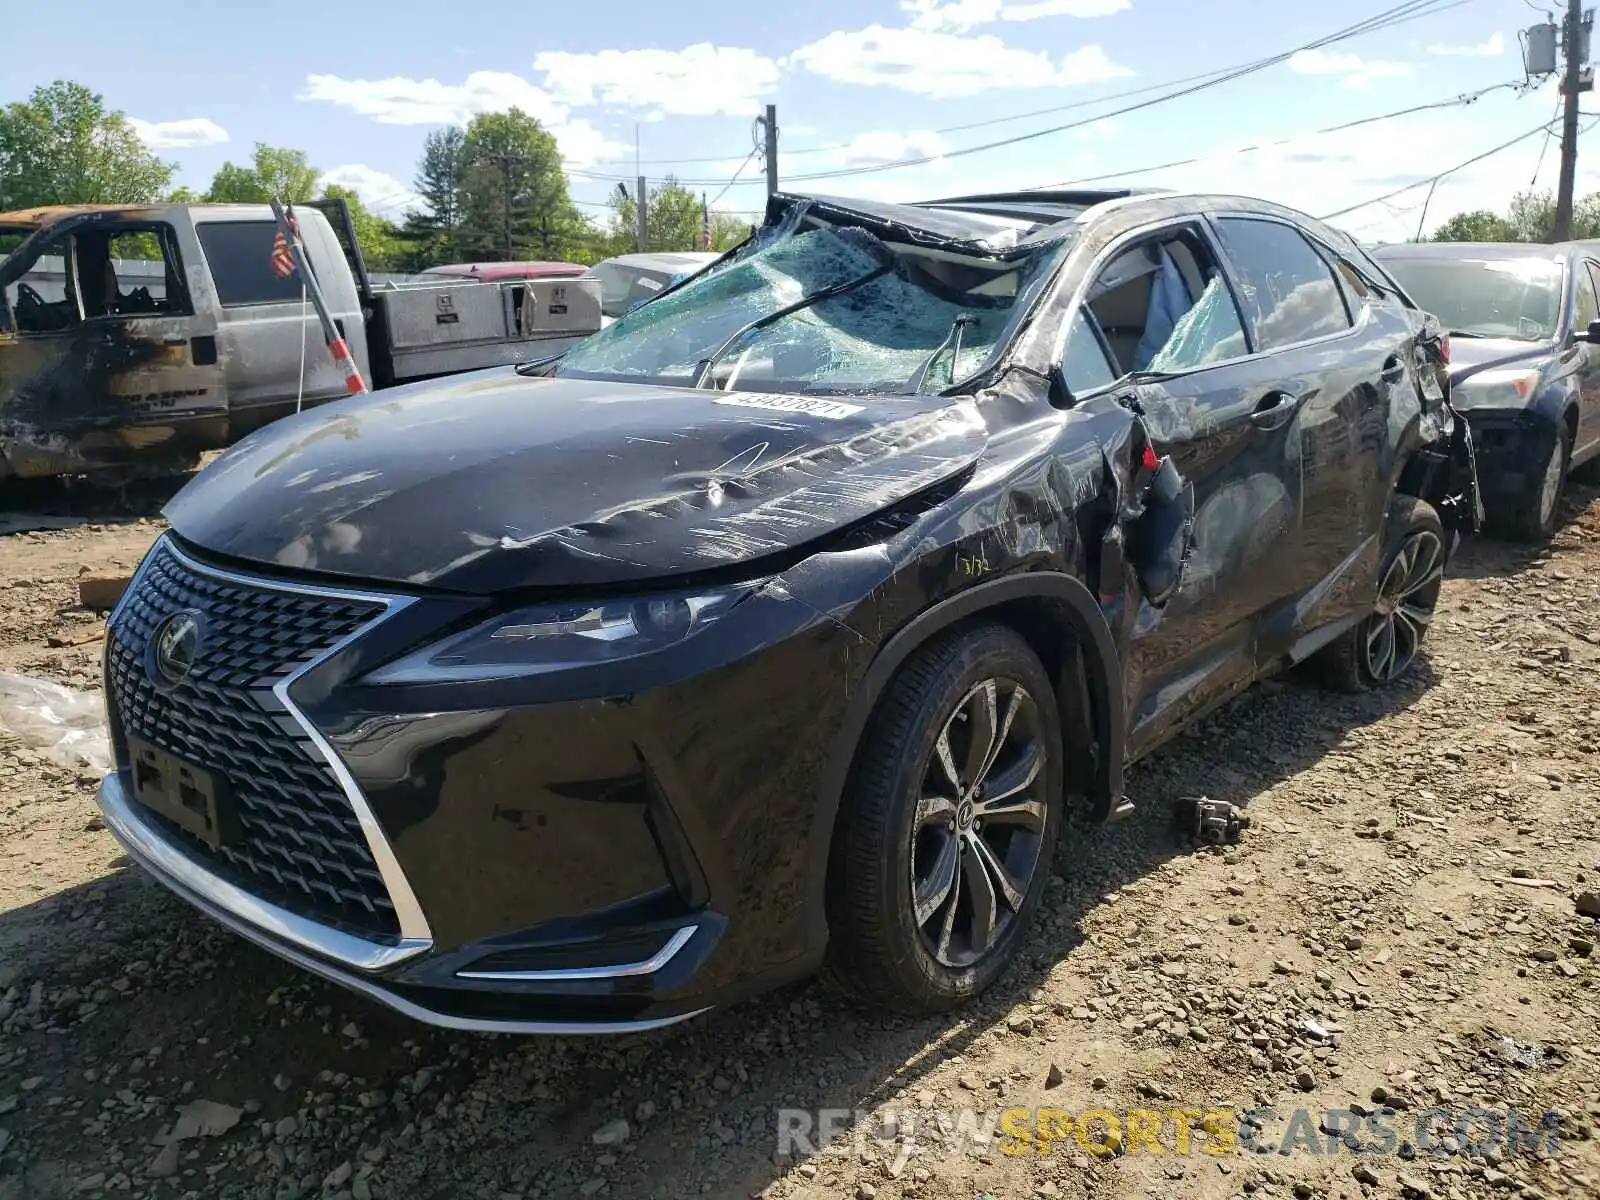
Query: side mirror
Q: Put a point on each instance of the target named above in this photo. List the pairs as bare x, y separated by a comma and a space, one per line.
1591, 334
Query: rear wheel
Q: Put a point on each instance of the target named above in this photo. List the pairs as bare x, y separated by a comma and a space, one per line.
1383, 647
949, 825
1531, 517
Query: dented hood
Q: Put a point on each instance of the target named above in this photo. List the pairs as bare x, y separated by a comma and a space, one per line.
495, 481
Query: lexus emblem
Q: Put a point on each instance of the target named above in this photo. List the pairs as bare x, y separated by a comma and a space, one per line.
174, 646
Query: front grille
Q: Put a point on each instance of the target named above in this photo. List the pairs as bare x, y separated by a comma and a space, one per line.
299, 844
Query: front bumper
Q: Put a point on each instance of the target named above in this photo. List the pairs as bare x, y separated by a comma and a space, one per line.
528, 860
1513, 445
291, 937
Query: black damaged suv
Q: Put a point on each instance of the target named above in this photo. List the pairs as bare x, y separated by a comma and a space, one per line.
777, 624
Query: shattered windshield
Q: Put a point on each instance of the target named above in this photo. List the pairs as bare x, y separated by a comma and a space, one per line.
1489, 297
822, 310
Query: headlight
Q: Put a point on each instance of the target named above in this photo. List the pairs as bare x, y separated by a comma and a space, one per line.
1495, 389
559, 637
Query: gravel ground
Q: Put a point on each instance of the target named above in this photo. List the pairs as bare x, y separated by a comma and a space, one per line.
1398, 931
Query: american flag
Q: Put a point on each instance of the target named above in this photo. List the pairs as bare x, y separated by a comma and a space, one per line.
282, 258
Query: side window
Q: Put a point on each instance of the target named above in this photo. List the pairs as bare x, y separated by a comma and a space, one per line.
1586, 307
139, 267
1285, 287
130, 271
239, 254
1084, 364
1164, 305
44, 298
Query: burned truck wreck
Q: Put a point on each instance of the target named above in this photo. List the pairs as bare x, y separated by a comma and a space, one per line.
132, 338
778, 624
95, 373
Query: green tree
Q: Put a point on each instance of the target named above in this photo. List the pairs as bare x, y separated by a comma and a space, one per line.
673, 220
727, 232
1479, 226
274, 173
432, 235
1529, 218
63, 146
515, 203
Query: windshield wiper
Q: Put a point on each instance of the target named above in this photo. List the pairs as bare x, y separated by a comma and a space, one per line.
1467, 333
957, 327
532, 366
706, 365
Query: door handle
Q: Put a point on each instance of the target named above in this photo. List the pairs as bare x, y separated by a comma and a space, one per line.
1394, 370
174, 341
1275, 409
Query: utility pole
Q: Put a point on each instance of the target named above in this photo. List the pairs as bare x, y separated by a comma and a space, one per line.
505, 161
770, 129
1574, 51
643, 234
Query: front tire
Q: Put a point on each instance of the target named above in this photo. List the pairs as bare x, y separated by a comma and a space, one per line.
948, 826
1531, 518
1382, 648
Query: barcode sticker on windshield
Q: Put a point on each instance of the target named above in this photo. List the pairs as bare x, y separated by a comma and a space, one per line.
803, 405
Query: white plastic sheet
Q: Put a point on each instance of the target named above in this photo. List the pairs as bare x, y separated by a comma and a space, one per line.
67, 726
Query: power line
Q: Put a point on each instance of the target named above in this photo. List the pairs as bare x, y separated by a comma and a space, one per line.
1399, 14
1455, 101
748, 159
1411, 187
1394, 15
1544, 146
1382, 20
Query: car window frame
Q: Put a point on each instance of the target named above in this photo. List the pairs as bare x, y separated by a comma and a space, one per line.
69, 272
1195, 222
1313, 244
1592, 267
175, 285
176, 276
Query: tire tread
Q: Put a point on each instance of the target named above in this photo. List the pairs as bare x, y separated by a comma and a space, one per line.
863, 959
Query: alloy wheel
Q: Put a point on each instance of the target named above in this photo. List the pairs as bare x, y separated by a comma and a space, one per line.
1404, 609
980, 823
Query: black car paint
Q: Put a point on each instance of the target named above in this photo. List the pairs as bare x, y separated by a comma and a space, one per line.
560, 817
1515, 440
392, 486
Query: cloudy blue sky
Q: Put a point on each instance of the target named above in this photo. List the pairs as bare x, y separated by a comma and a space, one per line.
858, 84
